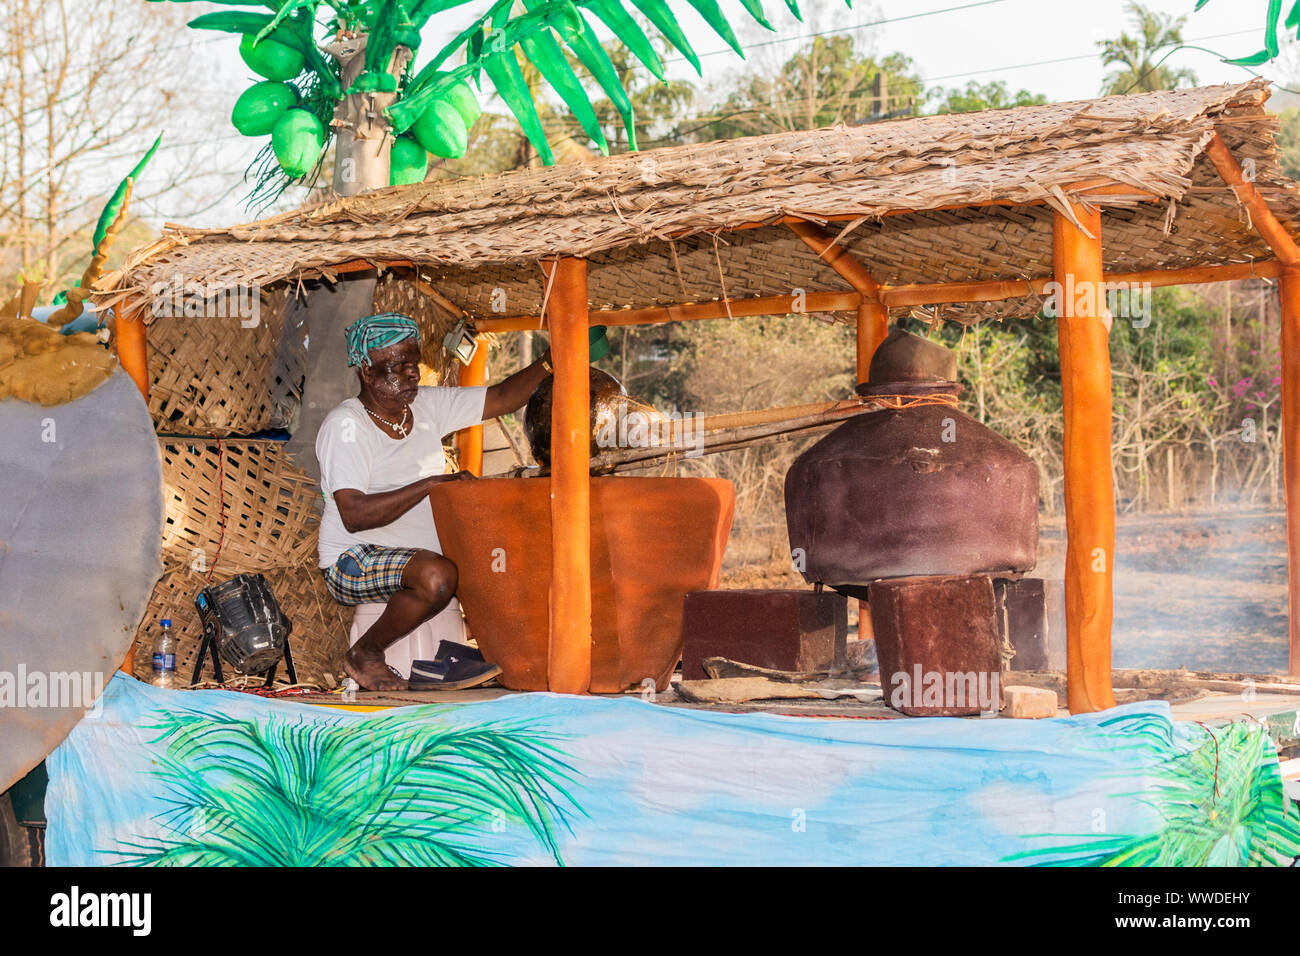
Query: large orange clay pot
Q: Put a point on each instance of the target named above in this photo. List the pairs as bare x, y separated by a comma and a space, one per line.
652, 540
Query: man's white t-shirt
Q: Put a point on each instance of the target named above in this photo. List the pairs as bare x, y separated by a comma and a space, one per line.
354, 453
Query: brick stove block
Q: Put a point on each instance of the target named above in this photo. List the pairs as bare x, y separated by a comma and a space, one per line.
785, 630
938, 644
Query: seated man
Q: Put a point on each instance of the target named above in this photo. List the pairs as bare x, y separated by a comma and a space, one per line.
379, 455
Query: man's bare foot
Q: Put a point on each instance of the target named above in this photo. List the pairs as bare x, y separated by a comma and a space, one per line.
370, 671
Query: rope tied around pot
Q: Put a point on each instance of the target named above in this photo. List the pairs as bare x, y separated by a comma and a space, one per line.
909, 401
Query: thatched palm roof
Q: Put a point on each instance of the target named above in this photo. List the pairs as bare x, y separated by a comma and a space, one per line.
655, 225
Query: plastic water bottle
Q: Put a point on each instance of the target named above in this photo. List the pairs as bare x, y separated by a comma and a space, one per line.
164, 657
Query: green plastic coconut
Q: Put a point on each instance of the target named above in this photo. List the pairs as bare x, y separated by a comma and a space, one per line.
261, 105
271, 59
297, 139
407, 163
462, 97
441, 130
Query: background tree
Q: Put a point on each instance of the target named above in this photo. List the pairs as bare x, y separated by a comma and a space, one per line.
1139, 58
73, 110
982, 96
825, 83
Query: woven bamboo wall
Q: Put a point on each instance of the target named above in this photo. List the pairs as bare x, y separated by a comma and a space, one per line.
238, 506
215, 377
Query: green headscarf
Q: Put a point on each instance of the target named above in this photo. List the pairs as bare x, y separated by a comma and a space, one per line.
378, 332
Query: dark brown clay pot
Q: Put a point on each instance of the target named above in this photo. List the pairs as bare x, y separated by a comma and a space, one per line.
607, 396
924, 490
652, 540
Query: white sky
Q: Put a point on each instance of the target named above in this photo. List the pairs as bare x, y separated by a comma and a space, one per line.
1009, 40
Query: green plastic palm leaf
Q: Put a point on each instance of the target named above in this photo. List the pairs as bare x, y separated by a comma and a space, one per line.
581, 39
503, 70
1270, 39
755, 8
794, 8
390, 19
1271, 46
470, 35
408, 109
422, 10
544, 53
661, 15
232, 21
629, 33
290, 7
714, 17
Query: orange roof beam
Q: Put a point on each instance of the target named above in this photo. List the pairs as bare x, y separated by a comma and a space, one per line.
1261, 217
895, 297
837, 257
722, 309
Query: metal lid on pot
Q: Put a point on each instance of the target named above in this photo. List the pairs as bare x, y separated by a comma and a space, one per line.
907, 364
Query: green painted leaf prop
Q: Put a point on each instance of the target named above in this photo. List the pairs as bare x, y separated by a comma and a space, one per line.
714, 17
441, 130
755, 8
422, 10
1270, 39
114, 204
231, 21
503, 70
629, 33
582, 41
259, 106
297, 139
408, 162
270, 58
545, 54
661, 15
287, 9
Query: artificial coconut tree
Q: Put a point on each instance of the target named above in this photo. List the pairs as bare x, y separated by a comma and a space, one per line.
345, 70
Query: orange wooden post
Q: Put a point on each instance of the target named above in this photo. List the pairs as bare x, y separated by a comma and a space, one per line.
469, 442
1290, 295
1083, 329
132, 348
569, 660
873, 326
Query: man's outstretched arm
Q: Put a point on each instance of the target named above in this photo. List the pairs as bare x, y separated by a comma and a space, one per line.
361, 511
513, 393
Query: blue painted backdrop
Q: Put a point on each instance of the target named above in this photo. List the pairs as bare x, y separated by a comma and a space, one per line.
213, 777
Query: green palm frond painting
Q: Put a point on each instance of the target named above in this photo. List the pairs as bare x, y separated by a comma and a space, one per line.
400, 789
1221, 805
